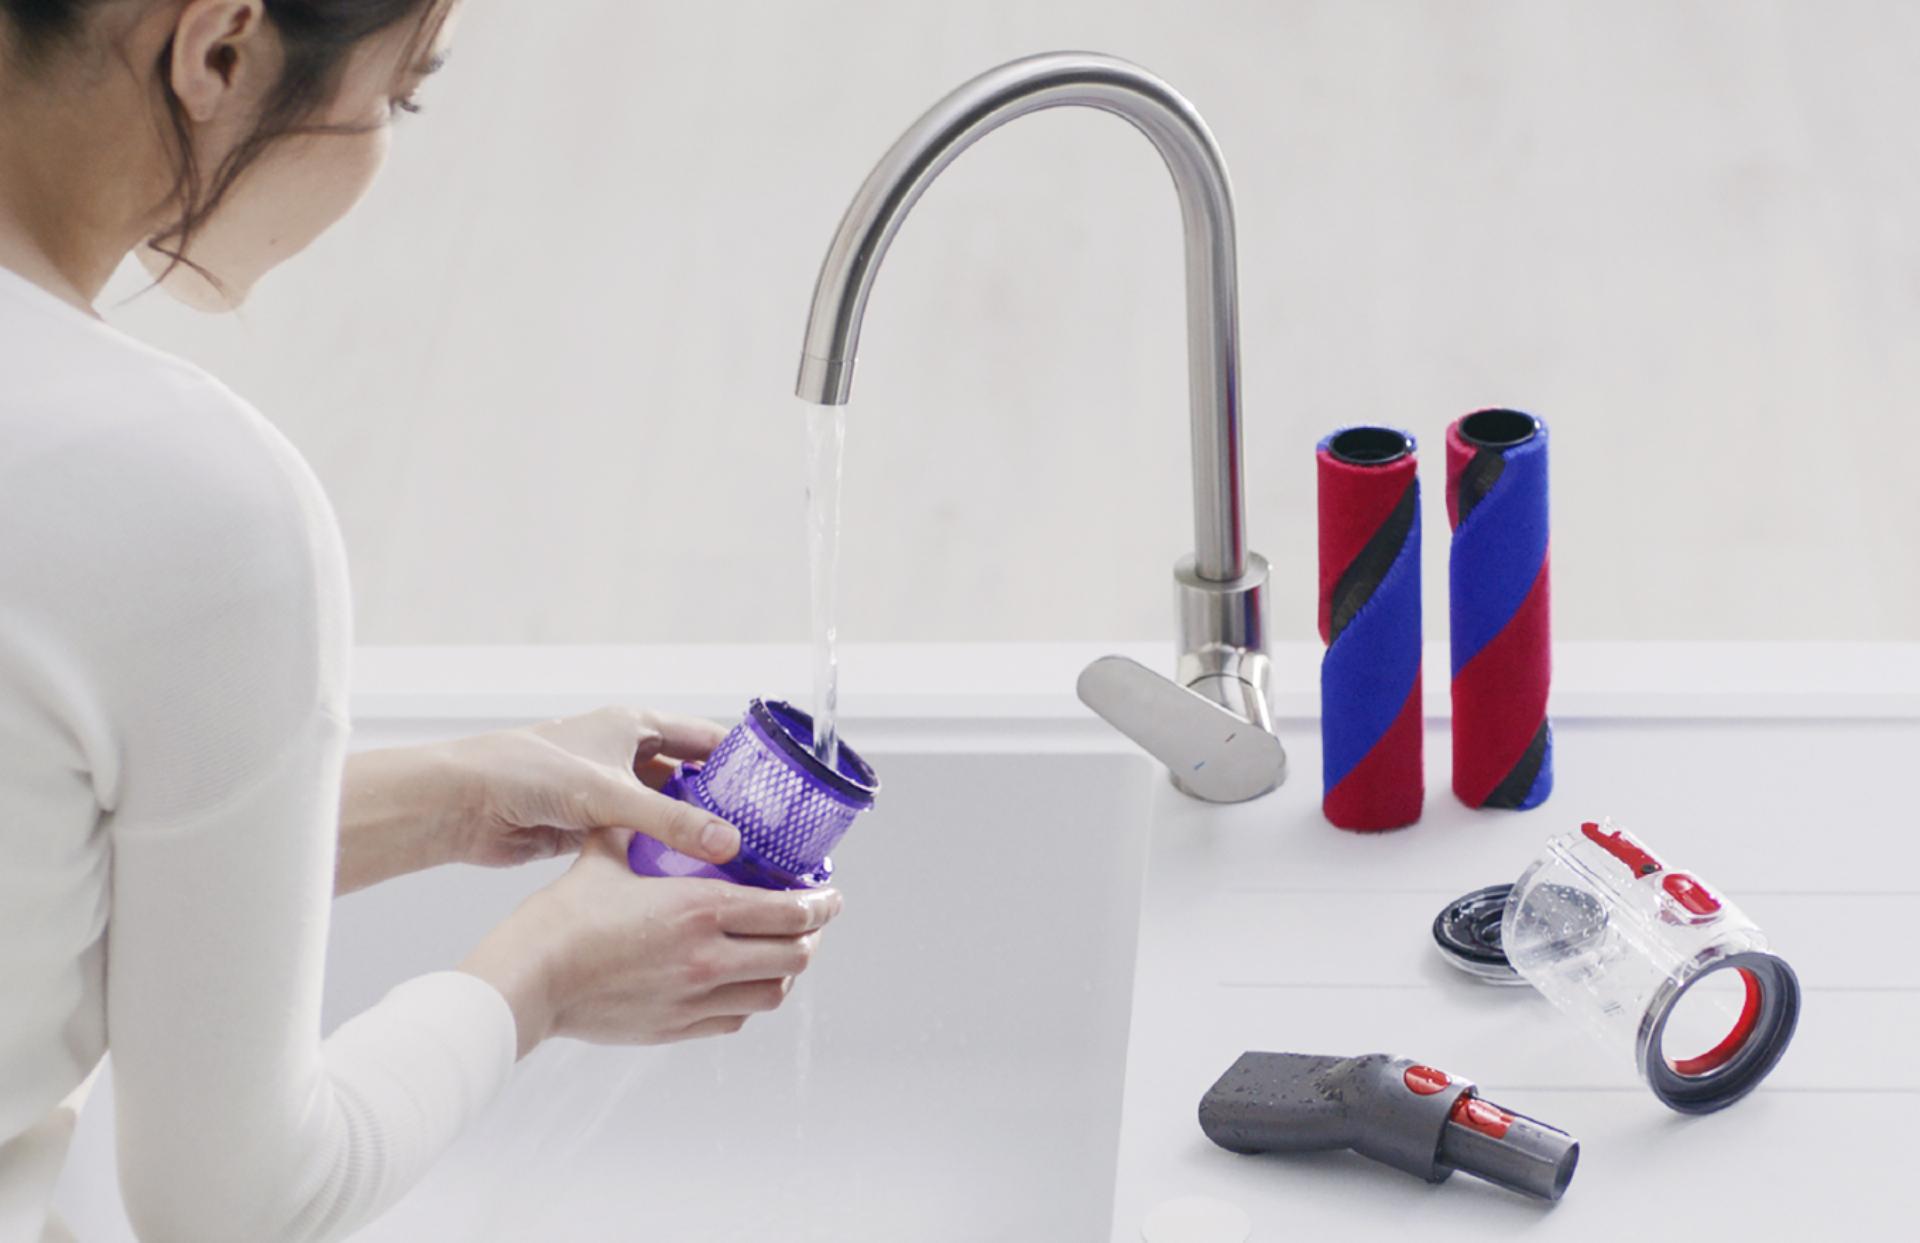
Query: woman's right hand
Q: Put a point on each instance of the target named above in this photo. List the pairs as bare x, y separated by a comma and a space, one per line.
607, 956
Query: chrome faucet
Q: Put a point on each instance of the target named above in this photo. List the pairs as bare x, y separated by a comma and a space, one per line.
1212, 725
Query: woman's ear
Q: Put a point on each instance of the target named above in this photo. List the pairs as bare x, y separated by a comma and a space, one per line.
221, 56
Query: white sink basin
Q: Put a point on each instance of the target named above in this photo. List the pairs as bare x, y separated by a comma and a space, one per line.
949, 1069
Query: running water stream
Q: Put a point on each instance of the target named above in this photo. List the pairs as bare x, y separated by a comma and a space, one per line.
826, 445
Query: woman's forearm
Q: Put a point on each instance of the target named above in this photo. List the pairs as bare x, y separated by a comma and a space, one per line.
397, 809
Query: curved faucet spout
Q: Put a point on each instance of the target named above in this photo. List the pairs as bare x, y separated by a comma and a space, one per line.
1206, 208
1212, 723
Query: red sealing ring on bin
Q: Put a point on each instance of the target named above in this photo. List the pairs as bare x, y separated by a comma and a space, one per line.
1735, 1066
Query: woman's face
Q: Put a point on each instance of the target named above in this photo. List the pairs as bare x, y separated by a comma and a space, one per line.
304, 183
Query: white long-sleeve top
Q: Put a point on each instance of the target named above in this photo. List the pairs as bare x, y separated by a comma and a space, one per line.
174, 633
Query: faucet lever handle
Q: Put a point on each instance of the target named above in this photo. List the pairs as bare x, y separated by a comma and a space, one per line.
1214, 753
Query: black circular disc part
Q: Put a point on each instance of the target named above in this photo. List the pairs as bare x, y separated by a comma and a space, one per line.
1467, 931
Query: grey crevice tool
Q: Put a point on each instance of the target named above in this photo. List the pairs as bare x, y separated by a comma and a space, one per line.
1392, 1109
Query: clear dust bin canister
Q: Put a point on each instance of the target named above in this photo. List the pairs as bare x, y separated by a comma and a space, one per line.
1646, 957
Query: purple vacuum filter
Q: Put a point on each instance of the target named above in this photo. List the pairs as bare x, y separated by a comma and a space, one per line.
766, 781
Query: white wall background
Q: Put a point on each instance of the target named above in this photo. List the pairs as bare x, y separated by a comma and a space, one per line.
545, 369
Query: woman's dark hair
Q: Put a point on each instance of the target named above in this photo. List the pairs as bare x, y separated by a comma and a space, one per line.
316, 37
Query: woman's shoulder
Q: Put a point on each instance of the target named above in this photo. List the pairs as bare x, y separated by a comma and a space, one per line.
144, 498
84, 403
124, 442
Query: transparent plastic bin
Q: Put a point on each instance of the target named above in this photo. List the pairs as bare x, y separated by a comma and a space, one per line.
1622, 943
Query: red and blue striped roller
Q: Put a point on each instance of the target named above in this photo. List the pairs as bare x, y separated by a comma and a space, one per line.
1370, 728
1502, 658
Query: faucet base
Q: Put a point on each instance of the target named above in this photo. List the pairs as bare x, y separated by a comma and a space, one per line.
1223, 649
1217, 755
1222, 640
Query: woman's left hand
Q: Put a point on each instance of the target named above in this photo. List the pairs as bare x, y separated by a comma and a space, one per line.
533, 792
522, 794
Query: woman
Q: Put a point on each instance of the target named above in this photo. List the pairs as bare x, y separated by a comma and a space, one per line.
176, 807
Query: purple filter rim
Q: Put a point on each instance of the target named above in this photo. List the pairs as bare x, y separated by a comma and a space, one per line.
791, 729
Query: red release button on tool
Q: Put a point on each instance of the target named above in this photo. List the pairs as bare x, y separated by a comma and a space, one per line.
1690, 894
1425, 1080
1477, 1115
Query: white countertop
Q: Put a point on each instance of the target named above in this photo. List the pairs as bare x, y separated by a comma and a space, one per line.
1775, 771
892, 680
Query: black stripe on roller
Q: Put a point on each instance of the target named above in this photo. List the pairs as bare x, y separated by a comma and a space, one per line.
1513, 788
1362, 577
1482, 472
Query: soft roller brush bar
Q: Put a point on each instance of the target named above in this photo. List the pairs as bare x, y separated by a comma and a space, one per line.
1502, 664
1392, 1109
1370, 728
